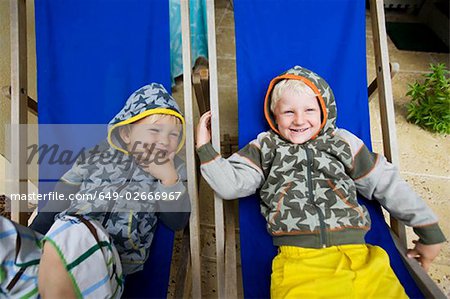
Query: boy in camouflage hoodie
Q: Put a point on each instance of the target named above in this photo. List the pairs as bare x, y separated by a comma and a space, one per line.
308, 172
93, 244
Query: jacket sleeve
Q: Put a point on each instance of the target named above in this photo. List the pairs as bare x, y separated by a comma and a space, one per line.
46, 216
376, 178
238, 176
175, 213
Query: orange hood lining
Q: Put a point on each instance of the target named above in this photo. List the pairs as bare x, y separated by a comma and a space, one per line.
274, 81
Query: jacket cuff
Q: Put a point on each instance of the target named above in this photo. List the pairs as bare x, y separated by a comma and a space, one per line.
207, 153
430, 234
177, 187
181, 204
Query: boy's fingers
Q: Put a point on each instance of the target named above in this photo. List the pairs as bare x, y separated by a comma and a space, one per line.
415, 254
205, 115
412, 253
207, 119
205, 122
202, 120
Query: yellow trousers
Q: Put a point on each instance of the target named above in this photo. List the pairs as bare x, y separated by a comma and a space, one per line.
347, 271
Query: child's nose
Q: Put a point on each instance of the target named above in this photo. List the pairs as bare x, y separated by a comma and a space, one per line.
298, 119
164, 139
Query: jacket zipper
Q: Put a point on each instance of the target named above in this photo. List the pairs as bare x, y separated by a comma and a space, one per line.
113, 203
322, 233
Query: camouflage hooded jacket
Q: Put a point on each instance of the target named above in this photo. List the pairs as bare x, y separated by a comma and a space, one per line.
308, 191
122, 189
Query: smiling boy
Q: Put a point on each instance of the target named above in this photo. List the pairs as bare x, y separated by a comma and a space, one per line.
308, 172
90, 246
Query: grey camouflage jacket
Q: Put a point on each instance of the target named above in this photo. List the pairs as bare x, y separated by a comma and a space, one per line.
309, 191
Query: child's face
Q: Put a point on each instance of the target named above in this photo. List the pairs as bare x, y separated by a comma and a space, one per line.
146, 137
297, 116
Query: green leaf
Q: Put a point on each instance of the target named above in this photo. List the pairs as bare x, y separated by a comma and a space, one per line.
429, 105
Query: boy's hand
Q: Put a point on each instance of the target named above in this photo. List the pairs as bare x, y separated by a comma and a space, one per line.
165, 172
203, 130
424, 254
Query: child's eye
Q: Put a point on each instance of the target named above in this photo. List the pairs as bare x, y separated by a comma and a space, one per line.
154, 130
175, 135
288, 112
311, 110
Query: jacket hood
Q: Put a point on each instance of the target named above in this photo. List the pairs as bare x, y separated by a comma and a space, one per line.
320, 87
147, 100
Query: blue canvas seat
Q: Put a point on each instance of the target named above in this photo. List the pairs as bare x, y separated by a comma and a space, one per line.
91, 55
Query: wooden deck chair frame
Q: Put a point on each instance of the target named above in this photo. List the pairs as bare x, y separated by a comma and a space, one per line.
386, 101
226, 272
225, 244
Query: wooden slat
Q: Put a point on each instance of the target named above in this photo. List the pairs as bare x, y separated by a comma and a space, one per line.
230, 251
226, 255
194, 223
183, 281
19, 173
204, 80
219, 219
200, 80
32, 104
394, 69
385, 96
423, 281
199, 94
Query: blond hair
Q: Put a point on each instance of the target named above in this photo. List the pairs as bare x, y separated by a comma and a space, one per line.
296, 86
156, 117
153, 118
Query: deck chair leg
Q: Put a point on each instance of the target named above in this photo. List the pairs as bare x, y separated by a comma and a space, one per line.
427, 286
226, 261
18, 142
194, 223
230, 251
183, 278
385, 96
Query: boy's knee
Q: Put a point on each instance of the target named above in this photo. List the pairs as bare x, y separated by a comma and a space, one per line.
53, 279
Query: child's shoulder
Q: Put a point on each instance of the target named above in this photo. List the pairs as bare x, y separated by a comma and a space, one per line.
351, 139
262, 138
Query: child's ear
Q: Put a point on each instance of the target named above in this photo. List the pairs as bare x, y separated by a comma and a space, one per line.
124, 133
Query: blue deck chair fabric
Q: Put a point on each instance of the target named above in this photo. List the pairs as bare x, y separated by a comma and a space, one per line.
328, 37
91, 55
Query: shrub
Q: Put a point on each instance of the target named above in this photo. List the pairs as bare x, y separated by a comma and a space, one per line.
430, 101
